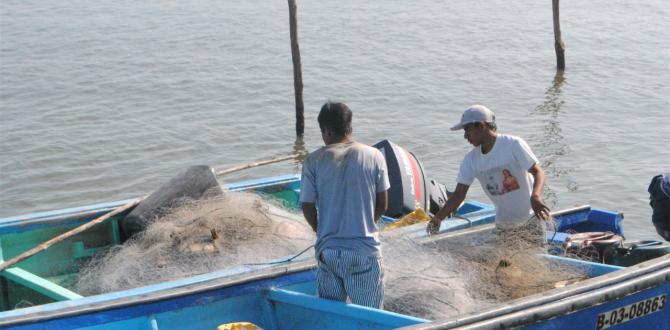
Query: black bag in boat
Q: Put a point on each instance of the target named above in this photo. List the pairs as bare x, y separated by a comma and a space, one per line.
632, 253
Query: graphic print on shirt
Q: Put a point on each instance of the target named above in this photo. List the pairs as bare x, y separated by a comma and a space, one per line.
501, 181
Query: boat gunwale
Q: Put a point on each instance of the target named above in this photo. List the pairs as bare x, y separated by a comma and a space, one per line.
81, 214
112, 301
148, 294
217, 281
174, 289
597, 289
579, 302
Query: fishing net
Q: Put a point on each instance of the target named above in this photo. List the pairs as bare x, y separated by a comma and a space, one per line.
432, 278
197, 237
420, 280
457, 274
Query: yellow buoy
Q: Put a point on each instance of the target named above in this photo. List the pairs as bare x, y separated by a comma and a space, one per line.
238, 326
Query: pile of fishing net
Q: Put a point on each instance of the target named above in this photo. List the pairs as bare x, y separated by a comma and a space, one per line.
427, 277
421, 281
463, 272
196, 237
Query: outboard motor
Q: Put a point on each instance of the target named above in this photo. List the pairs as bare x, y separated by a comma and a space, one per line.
409, 188
438, 196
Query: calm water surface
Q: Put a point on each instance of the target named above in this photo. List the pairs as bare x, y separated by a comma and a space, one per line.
103, 101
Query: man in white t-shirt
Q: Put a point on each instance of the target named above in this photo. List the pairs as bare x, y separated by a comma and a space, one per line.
507, 170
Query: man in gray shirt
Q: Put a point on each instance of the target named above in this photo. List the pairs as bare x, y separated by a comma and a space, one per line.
343, 194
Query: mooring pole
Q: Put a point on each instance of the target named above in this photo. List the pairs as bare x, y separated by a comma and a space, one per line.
297, 69
558, 42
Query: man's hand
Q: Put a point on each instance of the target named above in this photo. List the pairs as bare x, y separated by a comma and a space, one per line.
449, 207
541, 211
539, 208
433, 226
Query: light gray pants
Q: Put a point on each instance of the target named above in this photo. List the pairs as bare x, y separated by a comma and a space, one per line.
344, 273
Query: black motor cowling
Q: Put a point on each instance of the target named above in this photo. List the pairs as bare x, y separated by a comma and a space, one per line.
438, 196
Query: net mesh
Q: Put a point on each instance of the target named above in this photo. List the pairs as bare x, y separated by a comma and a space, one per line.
428, 278
442, 278
197, 237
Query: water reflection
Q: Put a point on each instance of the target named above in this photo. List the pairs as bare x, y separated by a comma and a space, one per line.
552, 146
299, 148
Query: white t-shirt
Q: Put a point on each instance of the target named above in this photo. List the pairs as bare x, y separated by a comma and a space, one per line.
503, 174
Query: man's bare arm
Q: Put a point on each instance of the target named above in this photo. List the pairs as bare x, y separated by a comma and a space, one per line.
309, 211
381, 204
539, 208
449, 207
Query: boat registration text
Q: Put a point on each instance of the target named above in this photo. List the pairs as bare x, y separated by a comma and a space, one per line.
630, 312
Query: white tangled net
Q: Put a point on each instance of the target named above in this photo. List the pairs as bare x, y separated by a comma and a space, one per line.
427, 278
199, 237
459, 274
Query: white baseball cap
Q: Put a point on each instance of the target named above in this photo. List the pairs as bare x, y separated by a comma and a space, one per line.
474, 114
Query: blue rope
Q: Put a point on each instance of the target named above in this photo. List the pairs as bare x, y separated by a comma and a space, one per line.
280, 261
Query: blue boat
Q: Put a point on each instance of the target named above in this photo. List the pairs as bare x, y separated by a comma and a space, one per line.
36, 295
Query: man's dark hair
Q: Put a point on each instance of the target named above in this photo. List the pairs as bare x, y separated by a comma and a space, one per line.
336, 117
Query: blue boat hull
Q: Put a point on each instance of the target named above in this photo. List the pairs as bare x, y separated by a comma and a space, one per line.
282, 296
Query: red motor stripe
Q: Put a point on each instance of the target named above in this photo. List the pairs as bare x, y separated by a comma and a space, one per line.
415, 176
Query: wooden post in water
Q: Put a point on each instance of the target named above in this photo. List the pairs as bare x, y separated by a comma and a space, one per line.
297, 69
558, 42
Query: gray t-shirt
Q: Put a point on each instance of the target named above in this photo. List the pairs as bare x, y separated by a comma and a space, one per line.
343, 180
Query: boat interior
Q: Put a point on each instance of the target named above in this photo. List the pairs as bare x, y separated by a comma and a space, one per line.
279, 296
